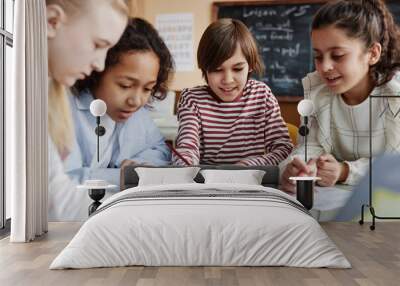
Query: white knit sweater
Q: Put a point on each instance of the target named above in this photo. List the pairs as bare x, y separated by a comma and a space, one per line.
343, 130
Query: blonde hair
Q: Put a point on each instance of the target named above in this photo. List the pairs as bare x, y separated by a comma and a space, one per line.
59, 117
73, 6
60, 125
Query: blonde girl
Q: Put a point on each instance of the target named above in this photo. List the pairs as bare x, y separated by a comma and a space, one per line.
79, 34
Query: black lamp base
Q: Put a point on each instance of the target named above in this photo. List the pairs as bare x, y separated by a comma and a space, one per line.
100, 130
96, 195
305, 193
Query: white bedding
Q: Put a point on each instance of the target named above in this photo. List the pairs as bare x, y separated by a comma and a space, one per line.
187, 230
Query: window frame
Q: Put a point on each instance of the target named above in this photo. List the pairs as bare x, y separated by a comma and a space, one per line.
6, 39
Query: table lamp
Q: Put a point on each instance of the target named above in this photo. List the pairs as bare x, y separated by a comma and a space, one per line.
305, 108
97, 188
304, 185
98, 108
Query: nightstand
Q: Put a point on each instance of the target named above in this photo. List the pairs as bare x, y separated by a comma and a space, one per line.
96, 190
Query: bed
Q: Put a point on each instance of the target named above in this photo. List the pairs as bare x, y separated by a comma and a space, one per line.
197, 223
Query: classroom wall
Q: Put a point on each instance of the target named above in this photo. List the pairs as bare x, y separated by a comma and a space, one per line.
202, 12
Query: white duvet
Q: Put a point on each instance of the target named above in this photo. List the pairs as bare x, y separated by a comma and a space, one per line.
268, 228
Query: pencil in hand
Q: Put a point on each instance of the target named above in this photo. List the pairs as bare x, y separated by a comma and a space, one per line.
177, 154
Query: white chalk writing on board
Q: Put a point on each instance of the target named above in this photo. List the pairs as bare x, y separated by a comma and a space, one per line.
282, 32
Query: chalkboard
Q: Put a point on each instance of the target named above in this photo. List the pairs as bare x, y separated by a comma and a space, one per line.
394, 7
282, 30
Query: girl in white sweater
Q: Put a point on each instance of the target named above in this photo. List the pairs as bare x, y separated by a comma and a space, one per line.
356, 47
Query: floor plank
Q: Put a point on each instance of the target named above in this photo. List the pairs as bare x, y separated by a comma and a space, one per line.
374, 255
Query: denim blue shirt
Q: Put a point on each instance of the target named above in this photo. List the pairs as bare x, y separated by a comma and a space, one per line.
137, 139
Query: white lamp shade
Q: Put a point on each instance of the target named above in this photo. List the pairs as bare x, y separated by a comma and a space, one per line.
305, 107
98, 107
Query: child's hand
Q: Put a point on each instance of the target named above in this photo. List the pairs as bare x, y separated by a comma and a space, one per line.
330, 170
294, 169
128, 162
241, 163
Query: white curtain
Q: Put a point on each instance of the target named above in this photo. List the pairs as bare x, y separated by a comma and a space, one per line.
26, 121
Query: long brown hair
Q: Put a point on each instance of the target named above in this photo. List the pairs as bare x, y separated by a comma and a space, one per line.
370, 21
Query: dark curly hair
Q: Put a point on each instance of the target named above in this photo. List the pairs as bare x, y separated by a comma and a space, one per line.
139, 35
370, 21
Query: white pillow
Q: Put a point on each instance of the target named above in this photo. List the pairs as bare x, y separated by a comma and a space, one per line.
248, 177
166, 176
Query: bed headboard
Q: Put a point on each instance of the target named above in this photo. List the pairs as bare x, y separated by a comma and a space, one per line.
130, 179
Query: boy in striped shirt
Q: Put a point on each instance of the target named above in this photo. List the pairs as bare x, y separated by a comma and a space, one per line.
233, 119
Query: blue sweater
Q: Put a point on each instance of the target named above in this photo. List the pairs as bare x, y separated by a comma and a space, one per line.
136, 139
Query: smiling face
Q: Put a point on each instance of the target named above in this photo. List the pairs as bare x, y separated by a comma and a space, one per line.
78, 43
229, 79
128, 85
343, 63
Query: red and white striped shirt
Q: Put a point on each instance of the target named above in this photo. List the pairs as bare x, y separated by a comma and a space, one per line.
249, 130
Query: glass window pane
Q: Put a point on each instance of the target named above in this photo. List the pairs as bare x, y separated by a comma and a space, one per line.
2, 195
1, 14
9, 15
8, 89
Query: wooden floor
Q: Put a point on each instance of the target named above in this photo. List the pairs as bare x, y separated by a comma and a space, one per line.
374, 255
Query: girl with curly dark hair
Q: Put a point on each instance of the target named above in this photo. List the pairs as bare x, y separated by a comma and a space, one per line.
137, 71
357, 54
